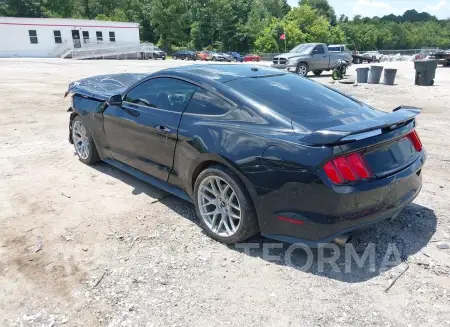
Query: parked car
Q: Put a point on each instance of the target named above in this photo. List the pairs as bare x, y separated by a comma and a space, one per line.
217, 56
227, 57
236, 56
152, 52
185, 55
204, 55
278, 154
308, 57
252, 57
375, 55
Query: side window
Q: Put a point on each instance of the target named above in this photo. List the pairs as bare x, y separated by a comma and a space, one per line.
319, 49
57, 35
33, 36
86, 36
99, 35
112, 37
207, 103
162, 93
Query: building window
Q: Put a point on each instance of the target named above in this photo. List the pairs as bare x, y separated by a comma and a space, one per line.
99, 37
57, 35
33, 36
112, 37
85, 37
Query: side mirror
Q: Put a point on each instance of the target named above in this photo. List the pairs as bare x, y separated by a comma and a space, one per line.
115, 100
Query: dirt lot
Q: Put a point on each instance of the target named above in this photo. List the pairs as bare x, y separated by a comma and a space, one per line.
92, 246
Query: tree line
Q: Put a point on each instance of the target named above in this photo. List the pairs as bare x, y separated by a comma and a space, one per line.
246, 25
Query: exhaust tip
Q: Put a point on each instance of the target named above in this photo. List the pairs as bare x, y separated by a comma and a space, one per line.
343, 239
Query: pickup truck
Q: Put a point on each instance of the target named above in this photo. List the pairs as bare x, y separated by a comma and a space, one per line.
308, 57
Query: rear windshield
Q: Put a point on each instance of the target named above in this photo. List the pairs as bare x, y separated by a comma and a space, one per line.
307, 103
335, 48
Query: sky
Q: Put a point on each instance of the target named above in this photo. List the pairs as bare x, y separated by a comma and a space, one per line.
350, 8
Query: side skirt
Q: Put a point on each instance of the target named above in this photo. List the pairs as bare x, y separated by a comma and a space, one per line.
149, 179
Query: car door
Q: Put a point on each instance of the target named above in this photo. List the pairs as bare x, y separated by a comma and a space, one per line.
320, 59
142, 133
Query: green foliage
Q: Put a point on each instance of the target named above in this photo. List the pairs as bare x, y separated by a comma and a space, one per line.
246, 25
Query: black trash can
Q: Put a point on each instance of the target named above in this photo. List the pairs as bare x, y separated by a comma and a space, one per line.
389, 76
425, 71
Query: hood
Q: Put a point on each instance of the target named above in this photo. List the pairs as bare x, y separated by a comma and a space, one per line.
103, 86
158, 51
290, 55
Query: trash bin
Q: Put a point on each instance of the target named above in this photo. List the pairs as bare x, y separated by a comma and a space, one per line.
375, 74
362, 74
389, 76
425, 71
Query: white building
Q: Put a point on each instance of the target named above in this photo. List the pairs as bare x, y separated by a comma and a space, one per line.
42, 37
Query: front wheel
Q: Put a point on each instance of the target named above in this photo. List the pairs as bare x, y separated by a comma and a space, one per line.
83, 142
302, 69
223, 206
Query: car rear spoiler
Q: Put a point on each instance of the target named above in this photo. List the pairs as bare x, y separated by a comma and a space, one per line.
400, 116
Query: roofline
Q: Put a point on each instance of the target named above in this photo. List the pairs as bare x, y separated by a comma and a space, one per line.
75, 22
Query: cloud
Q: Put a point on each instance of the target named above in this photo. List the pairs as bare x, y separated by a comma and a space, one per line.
438, 8
375, 8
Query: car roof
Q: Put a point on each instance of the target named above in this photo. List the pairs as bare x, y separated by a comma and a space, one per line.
220, 73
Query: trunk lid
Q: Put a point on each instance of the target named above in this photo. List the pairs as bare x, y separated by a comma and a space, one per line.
103, 86
386, 143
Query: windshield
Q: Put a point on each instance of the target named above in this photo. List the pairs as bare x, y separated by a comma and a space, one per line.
303, 48
307, 103
157, 49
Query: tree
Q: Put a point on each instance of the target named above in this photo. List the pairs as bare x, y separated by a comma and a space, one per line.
323, 8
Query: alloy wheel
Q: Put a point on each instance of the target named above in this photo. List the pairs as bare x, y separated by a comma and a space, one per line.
219, 206
302, 70
80, 139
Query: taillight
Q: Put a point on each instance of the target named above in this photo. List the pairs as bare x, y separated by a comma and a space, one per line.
348, 168
415, 140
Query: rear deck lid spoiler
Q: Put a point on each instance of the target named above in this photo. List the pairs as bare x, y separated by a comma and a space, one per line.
346, 133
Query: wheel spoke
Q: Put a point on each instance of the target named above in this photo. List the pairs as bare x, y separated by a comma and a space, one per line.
215, 188
207, 197
214, 220
225, 223
233, 225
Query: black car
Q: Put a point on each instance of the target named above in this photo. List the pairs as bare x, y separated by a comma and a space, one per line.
185, 55
255, 149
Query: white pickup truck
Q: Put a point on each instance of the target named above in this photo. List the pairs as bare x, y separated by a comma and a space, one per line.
308, 57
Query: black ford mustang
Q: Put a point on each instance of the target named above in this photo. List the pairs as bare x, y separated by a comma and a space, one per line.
255, 149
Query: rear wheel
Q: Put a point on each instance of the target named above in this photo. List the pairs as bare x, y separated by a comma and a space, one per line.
223, 206
83, 142
318, 72
174, 57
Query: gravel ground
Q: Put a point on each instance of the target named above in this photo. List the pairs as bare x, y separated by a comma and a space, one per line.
92, 246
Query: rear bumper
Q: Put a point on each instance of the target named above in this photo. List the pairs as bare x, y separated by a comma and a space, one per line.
324, 212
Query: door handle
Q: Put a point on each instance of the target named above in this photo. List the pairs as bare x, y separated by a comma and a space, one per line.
131, 112
162, 129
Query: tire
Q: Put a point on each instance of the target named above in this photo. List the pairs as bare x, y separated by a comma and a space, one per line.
318, 72
174, 57
92, 156
247, 224
302, 69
